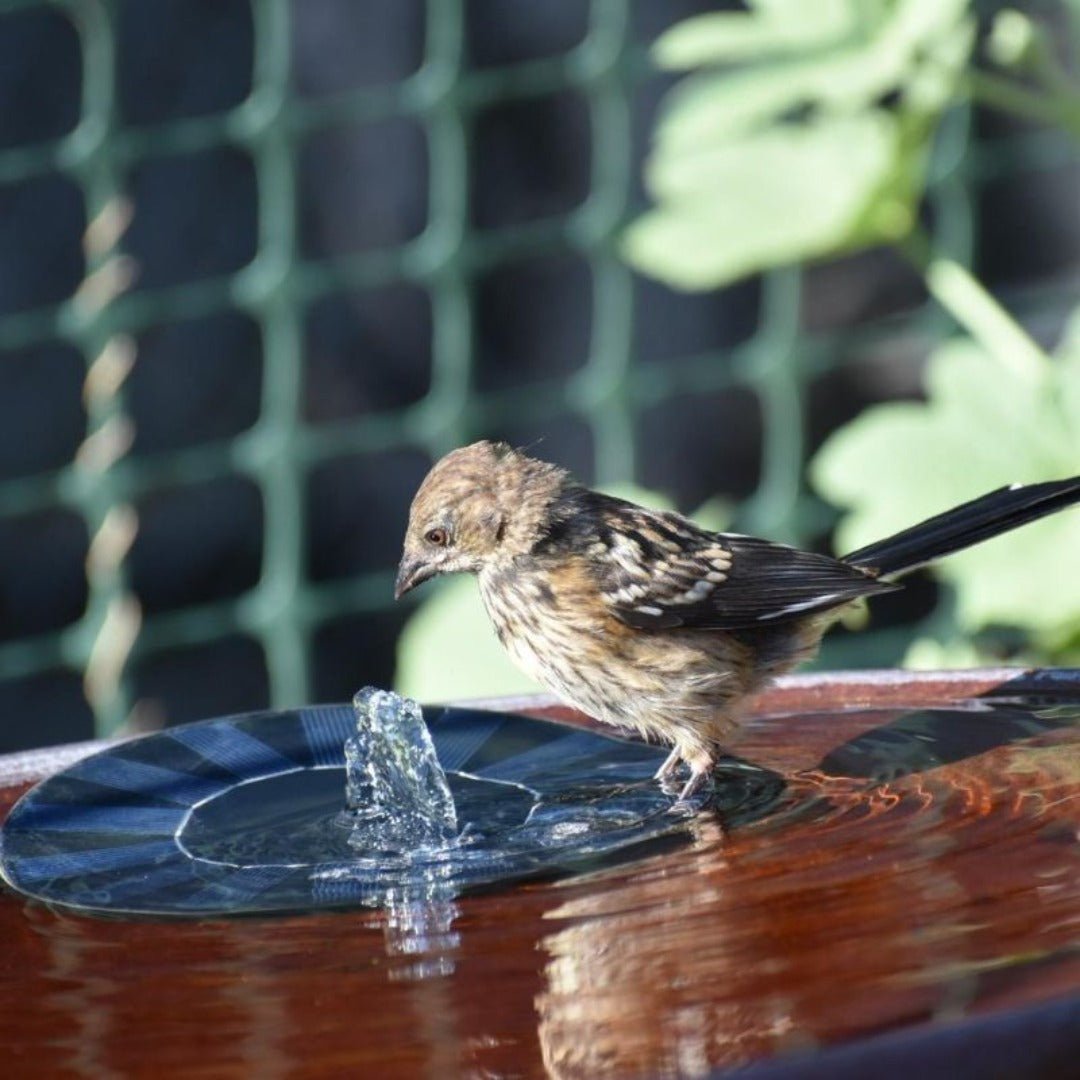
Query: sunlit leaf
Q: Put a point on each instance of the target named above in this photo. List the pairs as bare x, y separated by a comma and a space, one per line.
931, 85
449, 652
919, 36
1012, 36
926, 654
730, 35
779, 196
984, 425
810, 139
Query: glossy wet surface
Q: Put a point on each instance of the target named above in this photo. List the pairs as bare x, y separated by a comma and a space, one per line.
921, 864
253, 815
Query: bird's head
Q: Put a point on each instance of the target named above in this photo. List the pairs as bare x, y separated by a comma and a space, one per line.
478, 506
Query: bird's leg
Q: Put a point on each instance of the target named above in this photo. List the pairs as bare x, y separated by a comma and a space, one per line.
697, 778
671, 763
700, 768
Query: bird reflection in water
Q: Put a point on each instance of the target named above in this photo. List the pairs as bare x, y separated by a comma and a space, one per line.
864, 902
680, 972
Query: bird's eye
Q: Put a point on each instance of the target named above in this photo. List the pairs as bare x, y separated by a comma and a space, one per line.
439, 537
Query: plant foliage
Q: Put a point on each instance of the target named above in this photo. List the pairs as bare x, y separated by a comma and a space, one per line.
982, 421
803, 129
780, 146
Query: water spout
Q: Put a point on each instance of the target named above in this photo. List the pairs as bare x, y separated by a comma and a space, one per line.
396, 793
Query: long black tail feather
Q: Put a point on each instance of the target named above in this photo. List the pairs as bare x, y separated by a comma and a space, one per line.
965, 525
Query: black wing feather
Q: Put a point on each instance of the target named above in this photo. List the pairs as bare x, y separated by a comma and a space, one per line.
770, 583
658, 570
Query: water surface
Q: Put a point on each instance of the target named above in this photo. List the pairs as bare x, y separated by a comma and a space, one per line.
918, 864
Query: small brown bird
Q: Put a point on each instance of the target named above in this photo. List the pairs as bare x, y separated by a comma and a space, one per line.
643, 619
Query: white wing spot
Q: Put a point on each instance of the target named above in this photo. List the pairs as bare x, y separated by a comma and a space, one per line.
628, 594
801, 605
719, 556
696, 594
627, 554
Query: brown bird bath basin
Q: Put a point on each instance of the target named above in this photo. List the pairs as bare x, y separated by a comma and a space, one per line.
912, 899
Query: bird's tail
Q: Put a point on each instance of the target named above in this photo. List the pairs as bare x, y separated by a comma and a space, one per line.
965, 525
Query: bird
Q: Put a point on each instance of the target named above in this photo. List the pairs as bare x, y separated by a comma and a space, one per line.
643, 619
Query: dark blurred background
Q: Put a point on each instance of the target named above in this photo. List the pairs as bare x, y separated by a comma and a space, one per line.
362, 232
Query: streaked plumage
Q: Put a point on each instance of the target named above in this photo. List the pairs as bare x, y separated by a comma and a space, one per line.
642, 618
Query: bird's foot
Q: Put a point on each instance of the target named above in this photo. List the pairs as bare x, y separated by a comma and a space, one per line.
671, 763
666, 774
700, 775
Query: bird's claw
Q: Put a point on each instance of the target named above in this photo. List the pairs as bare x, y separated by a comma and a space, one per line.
671, 763
700, 770
669, 785
698, 777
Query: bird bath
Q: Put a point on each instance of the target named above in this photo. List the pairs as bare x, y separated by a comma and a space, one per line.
374, 805
916, 876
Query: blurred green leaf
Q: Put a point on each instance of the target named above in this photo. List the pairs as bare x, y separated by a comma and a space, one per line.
931, 85
926, 654
984, 425
655, 500
911, 37
776, 28
795, 156
449, 652
715, 513
770, 198
1012, 37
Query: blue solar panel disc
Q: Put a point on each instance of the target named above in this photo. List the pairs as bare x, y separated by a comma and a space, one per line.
241, 814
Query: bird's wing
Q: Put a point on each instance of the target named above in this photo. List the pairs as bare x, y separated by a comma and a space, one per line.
659, 570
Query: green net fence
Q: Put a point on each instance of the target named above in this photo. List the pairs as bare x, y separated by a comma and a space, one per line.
778, 363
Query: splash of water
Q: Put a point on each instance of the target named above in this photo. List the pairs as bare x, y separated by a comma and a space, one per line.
396, 793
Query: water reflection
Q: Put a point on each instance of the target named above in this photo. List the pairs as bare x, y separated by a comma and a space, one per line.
419, 927
917, 861
83, 1022
904, 879
930, 738
257, 997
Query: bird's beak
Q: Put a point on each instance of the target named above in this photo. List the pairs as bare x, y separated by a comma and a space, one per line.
411, 572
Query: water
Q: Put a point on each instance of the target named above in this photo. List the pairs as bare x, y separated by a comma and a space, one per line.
411, 839
376, 805
921, 863
396, 794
